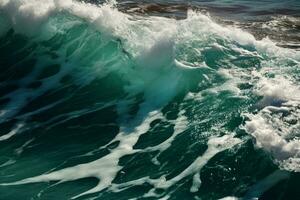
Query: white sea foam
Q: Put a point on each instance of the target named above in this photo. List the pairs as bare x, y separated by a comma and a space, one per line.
279, 88
152, 42
27, 16
276, 126
215, 145
13, 132
104, 169
230, 198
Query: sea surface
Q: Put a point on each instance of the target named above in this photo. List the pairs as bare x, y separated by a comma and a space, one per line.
145, 100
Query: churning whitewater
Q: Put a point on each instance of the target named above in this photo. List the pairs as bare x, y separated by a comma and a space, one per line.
114, 105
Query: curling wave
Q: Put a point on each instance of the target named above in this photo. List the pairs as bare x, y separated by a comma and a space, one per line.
68, 59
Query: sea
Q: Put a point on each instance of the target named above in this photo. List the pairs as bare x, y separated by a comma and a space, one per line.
146, 100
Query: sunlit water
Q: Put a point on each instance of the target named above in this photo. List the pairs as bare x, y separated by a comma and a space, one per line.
149, 100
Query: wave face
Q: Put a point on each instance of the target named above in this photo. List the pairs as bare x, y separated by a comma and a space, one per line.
99, 104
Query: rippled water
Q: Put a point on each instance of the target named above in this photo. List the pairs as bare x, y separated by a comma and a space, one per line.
149, 100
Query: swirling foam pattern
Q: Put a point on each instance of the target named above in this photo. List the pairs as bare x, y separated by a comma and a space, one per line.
100, 104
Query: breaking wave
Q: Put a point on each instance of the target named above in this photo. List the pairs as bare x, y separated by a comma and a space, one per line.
67, 59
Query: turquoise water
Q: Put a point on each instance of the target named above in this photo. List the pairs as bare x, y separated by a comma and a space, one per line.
139, 101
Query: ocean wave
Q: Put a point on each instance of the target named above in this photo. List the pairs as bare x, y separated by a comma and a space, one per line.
61, 52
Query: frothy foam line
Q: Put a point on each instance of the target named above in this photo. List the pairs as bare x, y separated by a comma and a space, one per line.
13, 132
276, 125
152, 42
180, 126
28, 16
104, 169
215, 146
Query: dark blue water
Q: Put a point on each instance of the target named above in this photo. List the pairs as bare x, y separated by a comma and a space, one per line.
237, 8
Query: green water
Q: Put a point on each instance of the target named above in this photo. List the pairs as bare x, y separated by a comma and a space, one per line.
99, 104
